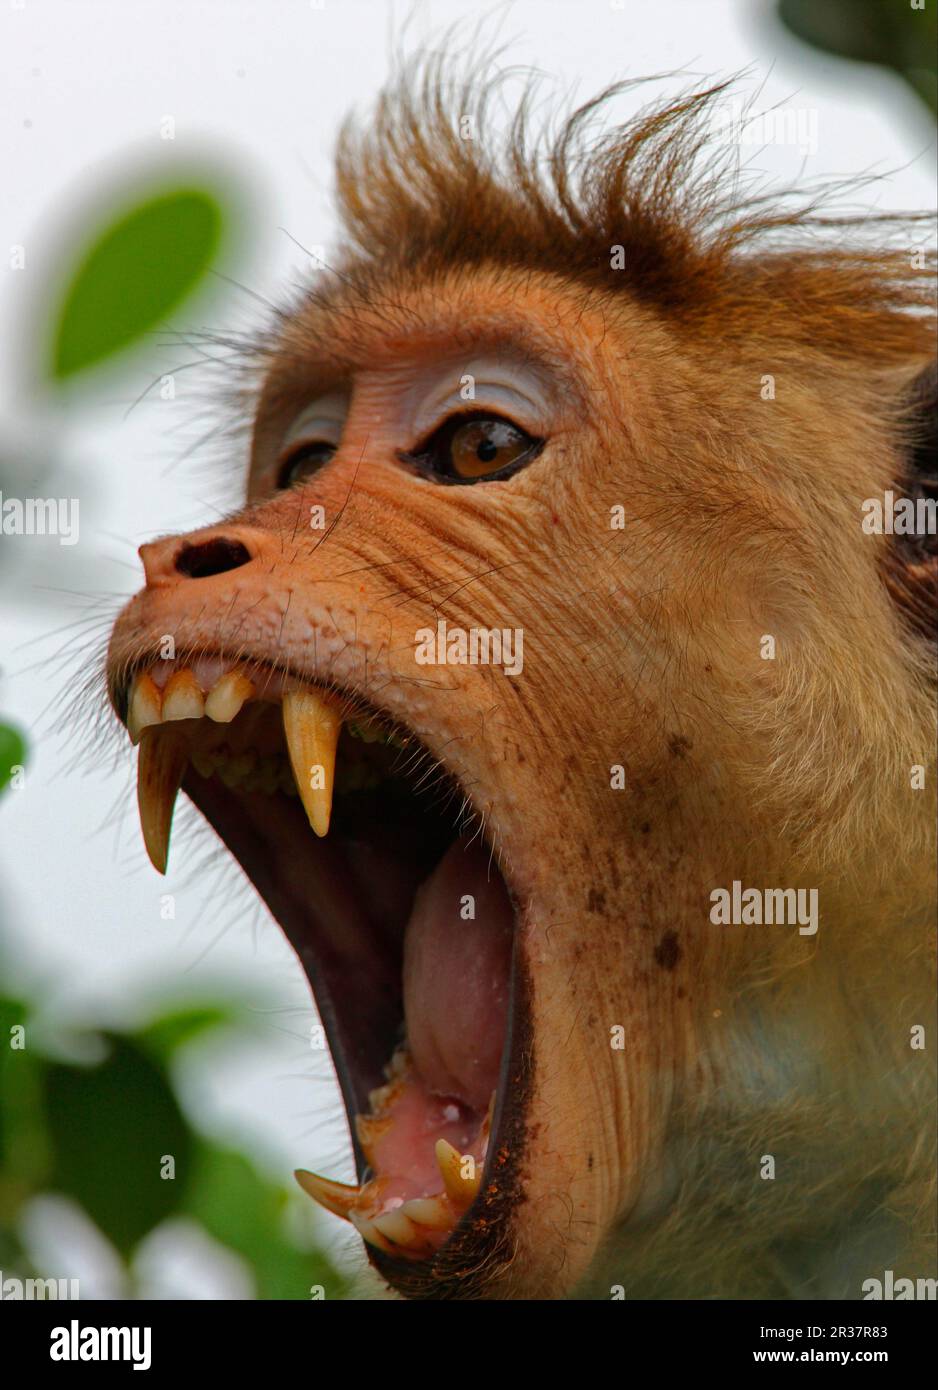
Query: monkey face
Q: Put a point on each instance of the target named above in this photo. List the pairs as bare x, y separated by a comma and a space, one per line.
474, 689
407, 691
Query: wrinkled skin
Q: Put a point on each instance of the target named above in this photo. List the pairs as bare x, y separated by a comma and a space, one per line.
641, 650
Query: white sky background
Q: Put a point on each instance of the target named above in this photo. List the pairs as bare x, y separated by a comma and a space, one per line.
85, 85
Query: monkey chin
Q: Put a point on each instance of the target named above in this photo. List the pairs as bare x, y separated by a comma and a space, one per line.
375, 864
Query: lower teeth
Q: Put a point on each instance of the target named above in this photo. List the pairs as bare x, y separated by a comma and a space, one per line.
416, 1226
245, 771
250, 772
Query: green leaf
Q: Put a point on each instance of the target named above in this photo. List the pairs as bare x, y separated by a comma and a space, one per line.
855, 29
12, 753
134, 275
24, 1146
167, 1034
111, 1127
245, 1212
871, 31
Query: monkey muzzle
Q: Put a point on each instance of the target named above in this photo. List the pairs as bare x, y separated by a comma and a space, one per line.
376, 866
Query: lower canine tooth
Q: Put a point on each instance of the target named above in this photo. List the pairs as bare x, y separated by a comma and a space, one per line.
227, 696
336, 1197
311, 726
161, 765
183, 698
145, 707
460, 1190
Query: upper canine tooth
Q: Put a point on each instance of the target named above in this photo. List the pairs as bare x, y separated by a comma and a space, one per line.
312, 726
227, 696
183, 698
161, 766
336, 1197
144, 708
460, 1190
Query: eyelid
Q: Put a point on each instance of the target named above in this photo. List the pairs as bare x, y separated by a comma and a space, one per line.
323, 420
518, 395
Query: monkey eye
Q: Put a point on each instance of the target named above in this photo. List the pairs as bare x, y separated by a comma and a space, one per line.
474, 449
303, 461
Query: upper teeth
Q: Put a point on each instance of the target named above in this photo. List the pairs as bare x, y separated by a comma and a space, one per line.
183, 698
227, 696
311, 725
161, 766
145, 706
312, 722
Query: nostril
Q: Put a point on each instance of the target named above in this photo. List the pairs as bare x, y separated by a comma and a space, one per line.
214, 556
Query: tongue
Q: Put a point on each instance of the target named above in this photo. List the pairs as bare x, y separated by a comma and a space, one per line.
456, 974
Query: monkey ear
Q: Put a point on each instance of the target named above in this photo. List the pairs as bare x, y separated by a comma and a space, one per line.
912, 558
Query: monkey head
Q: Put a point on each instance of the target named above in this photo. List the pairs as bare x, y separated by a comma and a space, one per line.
548, 616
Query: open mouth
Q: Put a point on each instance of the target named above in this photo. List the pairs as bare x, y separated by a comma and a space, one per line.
372, 859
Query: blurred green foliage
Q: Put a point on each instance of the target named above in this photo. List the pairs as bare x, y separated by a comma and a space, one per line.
12, 753
103, 1132
134, 275
889, 32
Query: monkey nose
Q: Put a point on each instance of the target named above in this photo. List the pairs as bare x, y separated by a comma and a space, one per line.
196, 557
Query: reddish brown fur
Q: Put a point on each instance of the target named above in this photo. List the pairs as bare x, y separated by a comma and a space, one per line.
743, 519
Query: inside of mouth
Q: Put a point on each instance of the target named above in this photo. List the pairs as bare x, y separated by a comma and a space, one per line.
404, 926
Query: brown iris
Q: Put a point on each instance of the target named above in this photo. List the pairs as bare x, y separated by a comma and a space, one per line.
486, 446
475, 448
